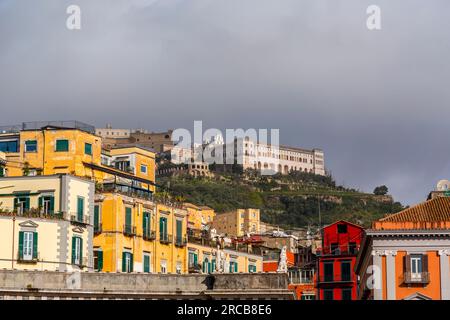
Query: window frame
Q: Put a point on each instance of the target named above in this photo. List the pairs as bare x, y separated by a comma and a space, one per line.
57, 148
88, 151
35, 146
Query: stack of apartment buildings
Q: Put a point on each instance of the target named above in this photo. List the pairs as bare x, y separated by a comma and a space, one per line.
70, 202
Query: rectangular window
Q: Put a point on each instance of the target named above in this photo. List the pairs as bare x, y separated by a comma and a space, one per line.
27, 245
352, 248
193, 258
2, 172
88, 149
416, 266
22, 205
328, 271
62, 145
127, 262
163, 266
342, 228
146, 263
146, 225
233, 267
98, 260
163, 229
9, 146
335, 249
143, 169
47, 204
328, 294
179, 227
346, 270
97, 218
347, 294
77, 251
80, 209
128, 220
31, 146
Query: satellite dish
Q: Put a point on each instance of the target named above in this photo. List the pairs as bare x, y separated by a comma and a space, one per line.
443, 185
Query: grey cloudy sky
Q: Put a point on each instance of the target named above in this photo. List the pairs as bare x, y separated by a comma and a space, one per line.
377, 102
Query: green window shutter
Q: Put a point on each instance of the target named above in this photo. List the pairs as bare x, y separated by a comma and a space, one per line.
16, 204
2, 172
146, 263
88, 149
96, 216
100, 260
35, 245
236, 267
179, 229
73, 249
195, 259
128, 216
231, 267
124, 265
145, 221
41, 202
131, 262
27, 203
81, 251
20, 244
80, 208
161, 228
52, 204
62, 145
213, 265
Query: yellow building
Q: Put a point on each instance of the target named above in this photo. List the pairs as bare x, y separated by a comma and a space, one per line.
2, 164
45, 223
71, 147
133, 234
210, 259
199, 216
238, 222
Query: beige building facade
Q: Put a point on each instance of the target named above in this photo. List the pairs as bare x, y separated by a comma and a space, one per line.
238, 222
45, 223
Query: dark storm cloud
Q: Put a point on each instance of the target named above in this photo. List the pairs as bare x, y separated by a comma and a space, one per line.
376, 102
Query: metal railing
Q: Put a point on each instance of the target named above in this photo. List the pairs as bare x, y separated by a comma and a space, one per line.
416, 277
74, 218
71, 124
180, 241
98, 228
148, 234
129, 230
165, 238
334, 278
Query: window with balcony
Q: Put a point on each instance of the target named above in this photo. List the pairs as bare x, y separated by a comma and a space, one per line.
128, 227
28, 245
22, 204
146, 226
97, 221
47, 204
416, 269
31, 146
163, 235
62, 145
77, 251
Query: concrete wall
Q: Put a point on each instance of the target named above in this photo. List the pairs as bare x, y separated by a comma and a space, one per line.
103, 285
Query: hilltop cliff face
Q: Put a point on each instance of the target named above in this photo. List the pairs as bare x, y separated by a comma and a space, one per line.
294, 200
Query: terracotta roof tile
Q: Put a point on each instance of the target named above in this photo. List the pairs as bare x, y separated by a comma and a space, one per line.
434, 210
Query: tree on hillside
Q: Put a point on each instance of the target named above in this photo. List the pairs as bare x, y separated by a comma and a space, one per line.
381, 190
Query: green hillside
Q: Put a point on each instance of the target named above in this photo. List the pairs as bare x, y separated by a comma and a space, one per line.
290, 201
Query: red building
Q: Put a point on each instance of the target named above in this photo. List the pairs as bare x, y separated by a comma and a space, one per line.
335, 278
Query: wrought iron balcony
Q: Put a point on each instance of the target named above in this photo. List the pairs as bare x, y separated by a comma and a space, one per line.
416, 277
165, 238
74, 218
98, 228
148, 234
180, 241
336, 278
129, 230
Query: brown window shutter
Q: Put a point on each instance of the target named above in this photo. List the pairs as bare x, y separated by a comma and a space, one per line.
407, 263
425, 262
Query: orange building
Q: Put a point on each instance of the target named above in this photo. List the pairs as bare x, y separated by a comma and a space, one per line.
405, 256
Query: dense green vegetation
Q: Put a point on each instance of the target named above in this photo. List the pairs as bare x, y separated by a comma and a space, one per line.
293, 200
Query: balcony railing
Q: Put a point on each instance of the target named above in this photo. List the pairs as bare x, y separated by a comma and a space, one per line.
165, 238
22, 259
129, 230
74, 218
194, 268
149, 235
416, 278
337, 251
180, 241
98, 228
30, 213
336, 278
